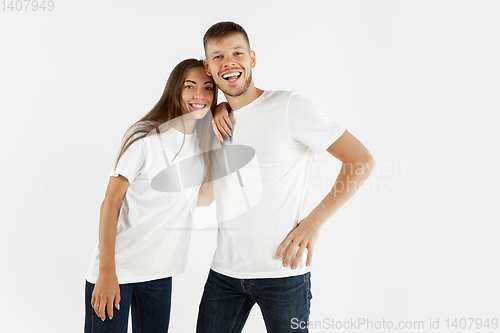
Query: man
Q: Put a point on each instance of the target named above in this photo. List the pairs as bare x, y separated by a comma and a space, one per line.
259, 256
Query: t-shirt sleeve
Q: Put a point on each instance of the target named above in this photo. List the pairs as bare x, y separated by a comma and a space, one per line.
131, 162
310, 126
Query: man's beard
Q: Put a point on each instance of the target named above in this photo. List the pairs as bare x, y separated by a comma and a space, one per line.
240, 91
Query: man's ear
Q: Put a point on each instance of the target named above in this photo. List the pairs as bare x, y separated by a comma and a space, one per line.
253, 59
205, 64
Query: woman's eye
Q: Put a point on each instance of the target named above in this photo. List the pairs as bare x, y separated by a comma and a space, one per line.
189, 87
209, 88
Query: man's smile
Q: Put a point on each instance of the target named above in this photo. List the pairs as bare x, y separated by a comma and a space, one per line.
232, 76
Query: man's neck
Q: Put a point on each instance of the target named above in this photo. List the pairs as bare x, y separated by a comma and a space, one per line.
250, 95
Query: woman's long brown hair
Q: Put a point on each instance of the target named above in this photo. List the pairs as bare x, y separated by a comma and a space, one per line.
170, 107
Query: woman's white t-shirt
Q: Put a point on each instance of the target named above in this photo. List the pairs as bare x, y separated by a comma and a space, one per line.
155, 217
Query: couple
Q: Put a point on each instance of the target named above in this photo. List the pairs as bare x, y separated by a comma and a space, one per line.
165, 169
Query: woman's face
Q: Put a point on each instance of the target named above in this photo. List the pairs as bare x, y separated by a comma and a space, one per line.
197, 93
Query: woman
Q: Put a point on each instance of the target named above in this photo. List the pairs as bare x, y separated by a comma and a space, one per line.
145, 219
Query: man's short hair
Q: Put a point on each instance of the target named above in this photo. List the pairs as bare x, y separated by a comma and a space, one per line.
224, 29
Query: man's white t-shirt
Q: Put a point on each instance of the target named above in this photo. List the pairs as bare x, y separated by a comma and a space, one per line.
155, 218
259, 204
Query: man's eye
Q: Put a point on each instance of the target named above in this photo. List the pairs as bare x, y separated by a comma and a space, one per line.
217, 57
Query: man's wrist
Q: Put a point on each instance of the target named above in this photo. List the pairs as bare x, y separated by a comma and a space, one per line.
317, 219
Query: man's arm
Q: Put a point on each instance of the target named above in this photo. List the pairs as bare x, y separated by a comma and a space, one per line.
357, 165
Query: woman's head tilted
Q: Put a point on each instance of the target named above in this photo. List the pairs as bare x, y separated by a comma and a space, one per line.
189, 94
183, 89
197, 93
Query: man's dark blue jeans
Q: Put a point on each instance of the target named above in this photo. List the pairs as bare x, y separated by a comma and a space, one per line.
226, 303
149, 303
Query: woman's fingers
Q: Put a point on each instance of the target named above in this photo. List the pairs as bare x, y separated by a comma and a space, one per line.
93, 301
105, 295
222, 122
227, 125
117, 301
101, 309
216, 131
110, 308
96, 305
223, 128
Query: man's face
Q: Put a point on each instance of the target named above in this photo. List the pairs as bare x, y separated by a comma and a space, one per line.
230, 62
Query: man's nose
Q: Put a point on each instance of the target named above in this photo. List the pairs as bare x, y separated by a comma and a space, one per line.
229, 62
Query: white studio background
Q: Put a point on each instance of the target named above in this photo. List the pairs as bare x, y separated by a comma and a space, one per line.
415, 81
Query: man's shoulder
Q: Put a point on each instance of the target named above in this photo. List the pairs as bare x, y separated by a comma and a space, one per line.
281, 93
280, 96
287, 95
286, 100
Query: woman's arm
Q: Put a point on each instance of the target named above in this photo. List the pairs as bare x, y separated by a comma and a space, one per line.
221, 123
206, 194
107, 291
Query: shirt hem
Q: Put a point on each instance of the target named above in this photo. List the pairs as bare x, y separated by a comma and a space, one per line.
260, 275
93, 279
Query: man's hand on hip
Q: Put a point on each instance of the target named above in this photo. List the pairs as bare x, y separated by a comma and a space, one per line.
303, 237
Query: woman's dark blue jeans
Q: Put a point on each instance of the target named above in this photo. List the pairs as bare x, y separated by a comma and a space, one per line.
148, 301
226, 303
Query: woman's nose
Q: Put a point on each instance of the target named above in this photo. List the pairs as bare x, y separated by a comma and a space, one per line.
198, 93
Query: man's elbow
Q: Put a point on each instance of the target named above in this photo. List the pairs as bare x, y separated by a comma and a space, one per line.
368, 163
360, 164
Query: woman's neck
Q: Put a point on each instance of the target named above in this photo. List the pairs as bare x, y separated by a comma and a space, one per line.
187, 127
